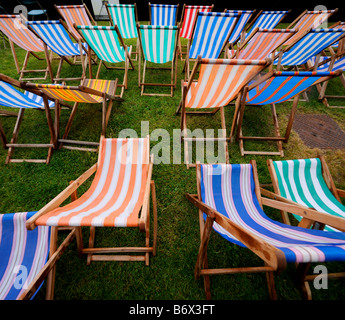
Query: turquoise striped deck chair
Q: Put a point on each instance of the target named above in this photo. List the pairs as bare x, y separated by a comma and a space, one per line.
158, 47
125, 16
163, 14
26, 259
306, 182
274, 87
54, 35
11, 96
108, 45
231, 204
210, 36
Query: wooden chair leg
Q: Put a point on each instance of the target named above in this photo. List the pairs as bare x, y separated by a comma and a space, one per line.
15, 134
271, 286
51, 275
155, 218
91, 244
302, 284
3, 136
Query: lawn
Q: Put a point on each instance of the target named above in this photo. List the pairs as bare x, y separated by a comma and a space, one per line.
29, 186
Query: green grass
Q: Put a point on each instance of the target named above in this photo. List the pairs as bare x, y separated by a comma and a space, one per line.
28, 186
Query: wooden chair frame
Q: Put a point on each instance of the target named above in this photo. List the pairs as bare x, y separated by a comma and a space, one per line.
272, 257
172, 68
104, 254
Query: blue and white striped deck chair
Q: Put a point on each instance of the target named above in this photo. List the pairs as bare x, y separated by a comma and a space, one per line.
266, 20
26, 259
311, 44
158, 46
230, 203
125, 16
108, 45
11, 97
54, 34
210, 36
163, 14
276, 87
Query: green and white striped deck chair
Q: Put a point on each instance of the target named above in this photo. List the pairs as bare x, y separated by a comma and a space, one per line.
108, 45
158, 46
125, 16
307, 182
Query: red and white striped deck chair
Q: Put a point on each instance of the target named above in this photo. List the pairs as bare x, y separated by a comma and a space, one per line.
220, 81
76, 14
14, 27
189, 14
119, 196
308, 20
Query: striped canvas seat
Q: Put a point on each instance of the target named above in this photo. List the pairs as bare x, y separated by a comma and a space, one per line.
263, 43
189, 17
302, 181
23, 253
230, 190
163, 14
243, 18
75, 14
266, 20
116, 195
308, 46
339, 64
309, 20
124, 16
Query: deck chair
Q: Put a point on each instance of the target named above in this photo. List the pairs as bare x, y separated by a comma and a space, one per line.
262, 43
210, 36
220, 81
230, 202
27, 257
244, 17
158, 46
11, 96
109, 47
54, 35
90, 91
265, 20
188, 18
308, 20
119, 196
163, 14
308, 183
76, 14
15, 29
125, 16
272, 88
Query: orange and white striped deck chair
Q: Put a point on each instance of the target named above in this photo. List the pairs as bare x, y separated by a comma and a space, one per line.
220, 81
308, 20
76, 14
91, 91
14, 27
119, 196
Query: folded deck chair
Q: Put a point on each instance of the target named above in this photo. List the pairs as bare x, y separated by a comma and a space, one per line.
119, 196
265, 20
163, 14
11, 96
27, 257
230, 202
309, 20
188, 18
219, 82
125, 16
54, 35
90, 91
210, 36
109, 47
272, 88
262, 43
76, 14
244, 17
14, 27
306, 182
158, 47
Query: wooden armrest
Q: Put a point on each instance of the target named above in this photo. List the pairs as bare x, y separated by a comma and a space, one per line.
341, 193
61, 197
